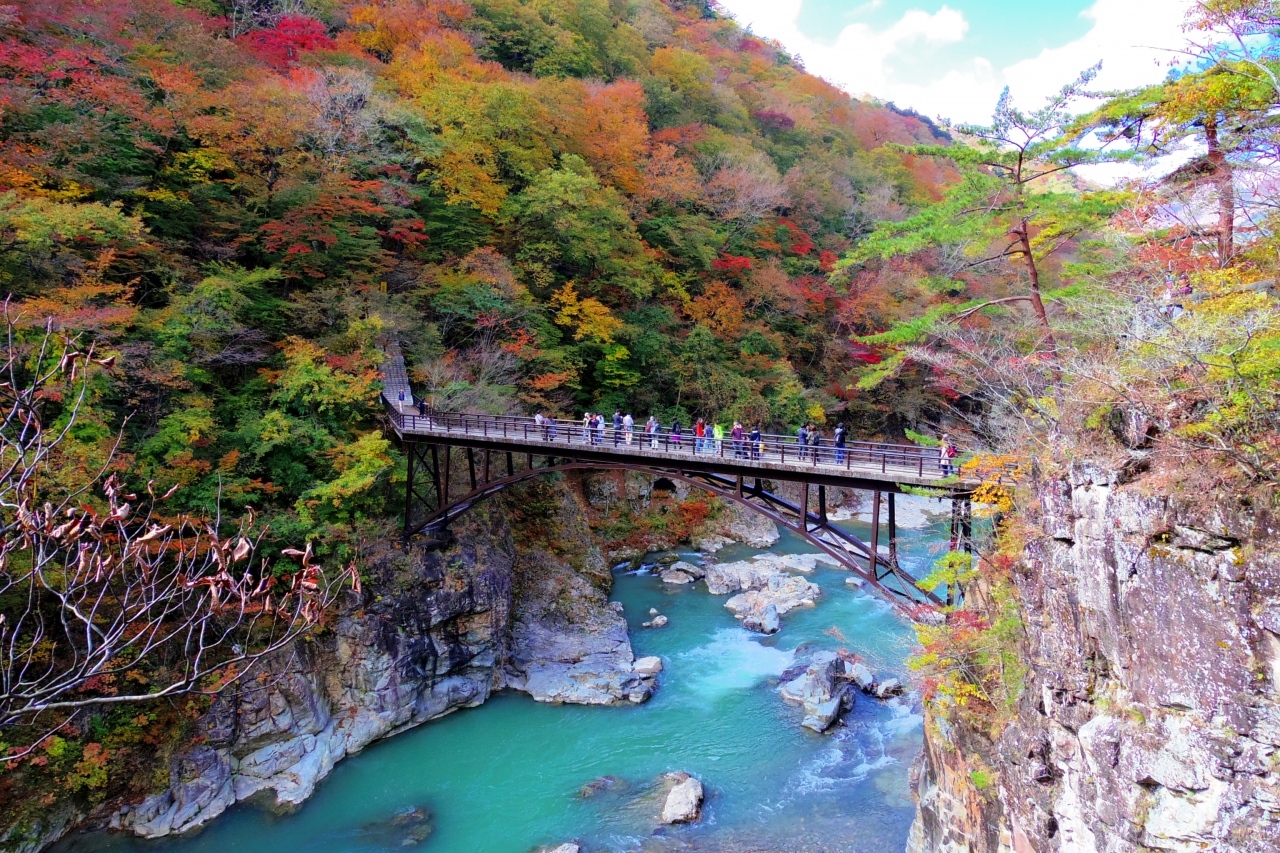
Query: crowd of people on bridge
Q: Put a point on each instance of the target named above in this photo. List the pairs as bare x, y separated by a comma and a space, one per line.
712, 439
709, 439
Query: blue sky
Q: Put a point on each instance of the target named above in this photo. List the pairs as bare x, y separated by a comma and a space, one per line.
1003, 31
952, 58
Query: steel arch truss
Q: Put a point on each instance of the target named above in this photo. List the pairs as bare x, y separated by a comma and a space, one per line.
432, 502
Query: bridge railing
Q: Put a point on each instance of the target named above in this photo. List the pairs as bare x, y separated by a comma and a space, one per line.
924, 462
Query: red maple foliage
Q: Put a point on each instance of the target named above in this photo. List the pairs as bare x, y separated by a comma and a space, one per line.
732, 263
283, 46
773, 120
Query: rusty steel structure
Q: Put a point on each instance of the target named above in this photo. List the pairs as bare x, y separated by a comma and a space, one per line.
456, 460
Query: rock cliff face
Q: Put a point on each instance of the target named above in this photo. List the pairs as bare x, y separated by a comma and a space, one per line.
614, 496
444, 629
426, 645
1151, 717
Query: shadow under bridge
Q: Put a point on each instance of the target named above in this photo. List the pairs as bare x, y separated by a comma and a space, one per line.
457, 460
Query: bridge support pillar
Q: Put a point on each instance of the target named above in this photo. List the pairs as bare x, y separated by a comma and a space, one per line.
893, 531
804, 507
408, 490
822, 505
873, 560
471, 468
444, 474
435, 474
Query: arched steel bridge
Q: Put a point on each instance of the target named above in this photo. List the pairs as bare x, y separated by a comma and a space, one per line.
457, 460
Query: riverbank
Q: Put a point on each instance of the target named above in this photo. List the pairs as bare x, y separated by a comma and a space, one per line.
506, 776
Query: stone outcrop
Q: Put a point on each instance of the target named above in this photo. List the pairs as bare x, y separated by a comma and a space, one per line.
779, 596
390, 663
767, 592
444, 630
681, 572
1150, 719
569, 642
724, 578
816, 687
683, 803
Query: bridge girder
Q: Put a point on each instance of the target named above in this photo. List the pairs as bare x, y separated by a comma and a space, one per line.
430, 505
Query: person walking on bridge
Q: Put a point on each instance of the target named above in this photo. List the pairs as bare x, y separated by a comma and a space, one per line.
802, 441
651, 430
738, 434
815, 440
628, 427
675, 433
699, 432
718, 432
757, 444
946, 452
586, 428
617, 427
840, 438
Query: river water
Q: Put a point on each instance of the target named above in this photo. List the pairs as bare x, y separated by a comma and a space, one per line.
507, 776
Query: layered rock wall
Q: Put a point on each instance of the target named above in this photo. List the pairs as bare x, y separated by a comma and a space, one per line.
1151, 717
426, 645
442, 631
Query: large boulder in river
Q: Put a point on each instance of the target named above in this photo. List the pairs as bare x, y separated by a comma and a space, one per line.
767, 621
681, 572
684, 800
648, 667
782, 593
724, 578
587, 662
816, 689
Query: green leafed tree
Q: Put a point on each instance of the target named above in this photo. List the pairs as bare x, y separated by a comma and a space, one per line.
1003, 229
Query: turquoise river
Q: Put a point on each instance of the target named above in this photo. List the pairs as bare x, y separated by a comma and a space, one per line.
506, 777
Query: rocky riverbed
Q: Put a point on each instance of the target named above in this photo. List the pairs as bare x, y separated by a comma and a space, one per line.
714, 711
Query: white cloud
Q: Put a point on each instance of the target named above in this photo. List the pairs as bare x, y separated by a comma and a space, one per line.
1133, 37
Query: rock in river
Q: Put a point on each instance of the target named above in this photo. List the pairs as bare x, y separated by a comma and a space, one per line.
656, 622
783, 593
684, 800
815, 689
682, 572
767, 621
724, 578
648, 667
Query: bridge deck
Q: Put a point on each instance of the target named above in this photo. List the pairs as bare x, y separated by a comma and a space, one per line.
859, 465
736, 471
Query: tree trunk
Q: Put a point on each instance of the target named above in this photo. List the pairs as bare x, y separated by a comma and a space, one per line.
1225, 182
1023, 233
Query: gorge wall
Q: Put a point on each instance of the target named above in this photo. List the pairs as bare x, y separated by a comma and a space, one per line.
518, 600
1151, 714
